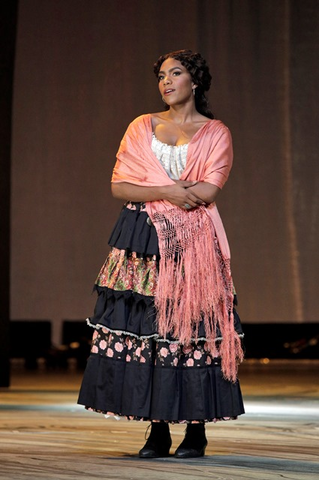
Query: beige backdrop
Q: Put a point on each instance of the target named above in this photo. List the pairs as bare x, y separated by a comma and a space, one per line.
84, 71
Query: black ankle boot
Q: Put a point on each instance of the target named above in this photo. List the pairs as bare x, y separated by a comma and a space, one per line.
194, 443
158, 443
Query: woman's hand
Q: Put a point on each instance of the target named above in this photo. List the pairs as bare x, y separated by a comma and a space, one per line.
181, 195
176, 193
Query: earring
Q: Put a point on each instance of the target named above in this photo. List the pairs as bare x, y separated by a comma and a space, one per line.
194, 91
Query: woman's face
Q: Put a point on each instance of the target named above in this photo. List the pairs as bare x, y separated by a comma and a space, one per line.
175, 83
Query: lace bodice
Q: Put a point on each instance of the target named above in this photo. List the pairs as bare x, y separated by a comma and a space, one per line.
172, 157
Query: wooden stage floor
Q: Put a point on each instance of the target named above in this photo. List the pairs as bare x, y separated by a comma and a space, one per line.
44, 435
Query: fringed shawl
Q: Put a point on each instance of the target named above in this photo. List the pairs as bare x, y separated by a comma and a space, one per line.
194, 282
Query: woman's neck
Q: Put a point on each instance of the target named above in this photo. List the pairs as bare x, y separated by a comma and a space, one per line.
184, 114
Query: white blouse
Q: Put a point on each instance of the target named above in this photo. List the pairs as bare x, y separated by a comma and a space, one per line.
172, 157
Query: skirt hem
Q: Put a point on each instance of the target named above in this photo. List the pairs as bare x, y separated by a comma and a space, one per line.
119, 416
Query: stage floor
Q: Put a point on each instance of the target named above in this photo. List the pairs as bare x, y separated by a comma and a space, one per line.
44, 435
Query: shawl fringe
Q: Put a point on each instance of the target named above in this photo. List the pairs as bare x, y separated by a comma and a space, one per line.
195, 284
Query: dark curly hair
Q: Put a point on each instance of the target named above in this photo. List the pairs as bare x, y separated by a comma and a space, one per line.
199, 71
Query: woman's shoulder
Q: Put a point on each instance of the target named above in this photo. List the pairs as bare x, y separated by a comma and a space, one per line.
213, 132
141, 122
148, 120
216, 123
215, 127
144, 117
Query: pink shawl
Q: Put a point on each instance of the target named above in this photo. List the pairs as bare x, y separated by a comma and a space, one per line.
194, 282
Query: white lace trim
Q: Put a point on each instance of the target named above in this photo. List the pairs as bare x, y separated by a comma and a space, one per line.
156, 336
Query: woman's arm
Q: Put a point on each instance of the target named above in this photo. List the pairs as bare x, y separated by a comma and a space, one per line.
207, 192
178, 194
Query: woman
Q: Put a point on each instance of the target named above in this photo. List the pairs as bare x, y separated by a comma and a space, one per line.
167, 340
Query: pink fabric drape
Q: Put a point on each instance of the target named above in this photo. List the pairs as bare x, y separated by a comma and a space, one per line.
209, 159
195, 281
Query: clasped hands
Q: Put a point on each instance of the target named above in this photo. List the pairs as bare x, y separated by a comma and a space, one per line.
182, 195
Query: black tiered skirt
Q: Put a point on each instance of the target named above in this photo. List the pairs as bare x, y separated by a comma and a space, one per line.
132, 371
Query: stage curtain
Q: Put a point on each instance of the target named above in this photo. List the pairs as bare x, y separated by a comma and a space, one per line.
84, 71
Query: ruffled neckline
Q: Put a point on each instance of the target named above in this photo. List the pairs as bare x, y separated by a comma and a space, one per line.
167, 144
